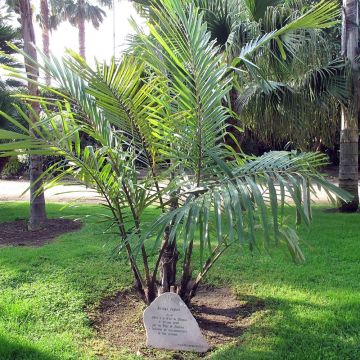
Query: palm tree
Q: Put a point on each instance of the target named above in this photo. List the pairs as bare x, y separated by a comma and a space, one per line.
45, 27
170, 118
349, 139
78, 12
49, 21
37, 198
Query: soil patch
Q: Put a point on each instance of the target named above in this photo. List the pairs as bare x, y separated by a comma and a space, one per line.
16, 233
221, 316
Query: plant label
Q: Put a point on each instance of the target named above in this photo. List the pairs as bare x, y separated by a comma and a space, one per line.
170, 325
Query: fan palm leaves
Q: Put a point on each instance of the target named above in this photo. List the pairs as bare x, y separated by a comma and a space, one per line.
169, 118
272, 41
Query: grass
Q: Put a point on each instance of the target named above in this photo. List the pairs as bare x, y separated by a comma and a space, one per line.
311, 311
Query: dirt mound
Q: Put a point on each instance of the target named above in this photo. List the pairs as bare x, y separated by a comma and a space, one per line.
16, 233
221, 317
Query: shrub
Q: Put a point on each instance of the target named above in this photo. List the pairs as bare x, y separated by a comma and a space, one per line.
15, 168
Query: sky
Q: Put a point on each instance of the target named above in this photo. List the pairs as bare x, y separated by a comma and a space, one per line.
99, 43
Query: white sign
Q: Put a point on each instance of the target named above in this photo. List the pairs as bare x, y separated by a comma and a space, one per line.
169, 324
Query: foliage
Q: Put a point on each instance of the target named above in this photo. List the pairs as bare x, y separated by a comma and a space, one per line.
19, 166
168, 120
13, 168
294, 87
52, 19
7, 34
8, 86
76, 10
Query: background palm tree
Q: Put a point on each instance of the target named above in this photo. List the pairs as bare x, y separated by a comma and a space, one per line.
44, 20
298, 101
78, 12
48, 20
37, 198
349, 138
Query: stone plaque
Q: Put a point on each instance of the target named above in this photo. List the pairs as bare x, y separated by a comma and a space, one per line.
169, 324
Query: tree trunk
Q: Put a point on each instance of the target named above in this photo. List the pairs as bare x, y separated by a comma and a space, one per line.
37, 201
349, 137
168, 263
169, 254
82, 37
45, 24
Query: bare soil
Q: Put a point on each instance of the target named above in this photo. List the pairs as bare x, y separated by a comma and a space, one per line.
16, 233
221, 316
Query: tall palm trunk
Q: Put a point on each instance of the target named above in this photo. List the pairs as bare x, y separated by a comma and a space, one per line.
45, 22
82, 37
349, 138
81, 27
37, 201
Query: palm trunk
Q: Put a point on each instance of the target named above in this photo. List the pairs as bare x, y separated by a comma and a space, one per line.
186, 281
37, 201
170, 254
349, 138
44, 7
168, 263
82, 37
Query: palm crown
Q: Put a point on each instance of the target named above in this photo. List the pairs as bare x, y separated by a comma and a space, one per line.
78, 12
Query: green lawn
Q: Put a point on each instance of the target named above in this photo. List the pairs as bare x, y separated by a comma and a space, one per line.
311, 311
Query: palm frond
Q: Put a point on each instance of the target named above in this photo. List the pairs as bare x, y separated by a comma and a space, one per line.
246, 204
257, 8
196, 76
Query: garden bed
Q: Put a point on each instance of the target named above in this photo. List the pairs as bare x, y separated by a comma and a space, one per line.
16, 233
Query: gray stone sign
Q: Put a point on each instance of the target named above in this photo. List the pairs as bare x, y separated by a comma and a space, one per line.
169, 324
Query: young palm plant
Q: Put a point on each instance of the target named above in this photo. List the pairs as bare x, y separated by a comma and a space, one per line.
158, 130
